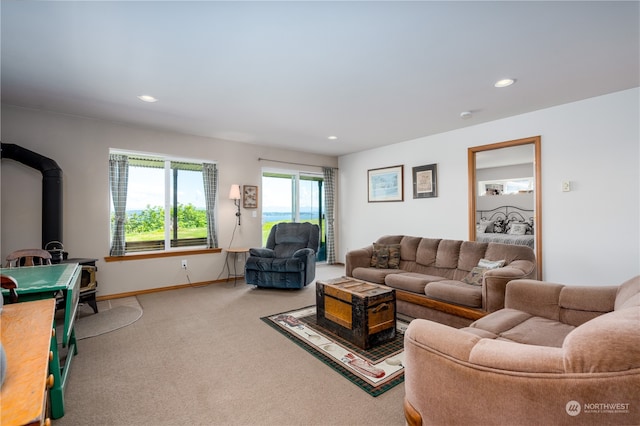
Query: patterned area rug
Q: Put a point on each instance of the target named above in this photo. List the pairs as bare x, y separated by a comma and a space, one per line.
374, 370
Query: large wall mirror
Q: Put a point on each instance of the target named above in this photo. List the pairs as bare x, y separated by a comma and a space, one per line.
504, 194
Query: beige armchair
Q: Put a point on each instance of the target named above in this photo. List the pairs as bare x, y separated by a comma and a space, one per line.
554, 355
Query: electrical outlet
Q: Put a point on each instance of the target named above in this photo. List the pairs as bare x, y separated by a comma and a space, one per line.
184, 263
566, 186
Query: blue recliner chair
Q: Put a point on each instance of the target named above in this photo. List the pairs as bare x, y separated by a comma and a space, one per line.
289, 259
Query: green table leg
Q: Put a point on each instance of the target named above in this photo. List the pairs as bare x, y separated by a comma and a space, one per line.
56, 393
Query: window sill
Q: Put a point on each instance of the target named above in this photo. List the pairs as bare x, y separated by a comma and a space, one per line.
154, 255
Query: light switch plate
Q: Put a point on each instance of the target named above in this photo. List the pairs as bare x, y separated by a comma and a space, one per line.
566, 186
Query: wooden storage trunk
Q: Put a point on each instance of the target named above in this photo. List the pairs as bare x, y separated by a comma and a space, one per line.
360, 312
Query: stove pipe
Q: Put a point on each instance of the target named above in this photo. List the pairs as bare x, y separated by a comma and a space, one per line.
51, 188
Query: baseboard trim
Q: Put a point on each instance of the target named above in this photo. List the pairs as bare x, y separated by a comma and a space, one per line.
159, 289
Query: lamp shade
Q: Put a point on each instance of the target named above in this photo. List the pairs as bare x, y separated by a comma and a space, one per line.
234, 192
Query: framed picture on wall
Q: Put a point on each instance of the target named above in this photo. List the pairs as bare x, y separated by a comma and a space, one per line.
386, 184
250, 197
425, 182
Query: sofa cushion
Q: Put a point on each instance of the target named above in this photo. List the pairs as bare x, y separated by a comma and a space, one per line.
480, 332
374, 275
448, 254
521, 327
539, 331
455, 292
427, 250
385, 256
271, 264
579, 304
509, 252
409, 248
410, 281
502, 320
470, 254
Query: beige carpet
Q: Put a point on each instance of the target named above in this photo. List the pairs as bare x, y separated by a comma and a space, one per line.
202, 356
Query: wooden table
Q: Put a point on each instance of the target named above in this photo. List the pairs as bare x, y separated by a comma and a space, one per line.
44, 282
27, 330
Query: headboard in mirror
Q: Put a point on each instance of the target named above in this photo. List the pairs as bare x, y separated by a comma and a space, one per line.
506, 225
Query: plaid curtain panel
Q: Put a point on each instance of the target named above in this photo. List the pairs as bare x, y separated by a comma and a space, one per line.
210, 179
118, 179
329, 197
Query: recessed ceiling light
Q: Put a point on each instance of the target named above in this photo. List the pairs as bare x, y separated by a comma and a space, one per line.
147, 98
505, 82
332, 138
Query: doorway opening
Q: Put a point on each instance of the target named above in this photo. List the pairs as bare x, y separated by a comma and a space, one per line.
293, 196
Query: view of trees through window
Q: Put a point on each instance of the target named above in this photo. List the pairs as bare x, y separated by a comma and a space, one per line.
165, 204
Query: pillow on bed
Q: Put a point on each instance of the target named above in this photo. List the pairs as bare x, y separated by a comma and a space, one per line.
481, 229
499, 226
518, 228
489, 225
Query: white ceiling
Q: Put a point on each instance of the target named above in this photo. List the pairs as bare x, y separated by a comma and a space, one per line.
290, 74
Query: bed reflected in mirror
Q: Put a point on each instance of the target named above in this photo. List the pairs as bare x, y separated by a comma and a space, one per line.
504, 194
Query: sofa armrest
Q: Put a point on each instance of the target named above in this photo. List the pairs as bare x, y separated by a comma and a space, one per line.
495, 282
261, 252
358, 258
440, 338
303, 253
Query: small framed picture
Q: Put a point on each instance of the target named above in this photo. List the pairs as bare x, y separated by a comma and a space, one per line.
250, 197
386, 184
425, 182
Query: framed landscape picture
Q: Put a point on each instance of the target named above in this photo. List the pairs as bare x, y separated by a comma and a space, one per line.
250, 197
425, 182
386, 184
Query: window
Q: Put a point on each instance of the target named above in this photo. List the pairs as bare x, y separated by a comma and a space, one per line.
167, 205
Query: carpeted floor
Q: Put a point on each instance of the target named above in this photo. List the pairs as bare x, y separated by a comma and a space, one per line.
202, 356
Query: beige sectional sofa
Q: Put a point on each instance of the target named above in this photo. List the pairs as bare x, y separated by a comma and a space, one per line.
555, 354
433, 278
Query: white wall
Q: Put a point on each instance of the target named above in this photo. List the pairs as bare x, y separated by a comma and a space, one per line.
591, 235
81, 148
